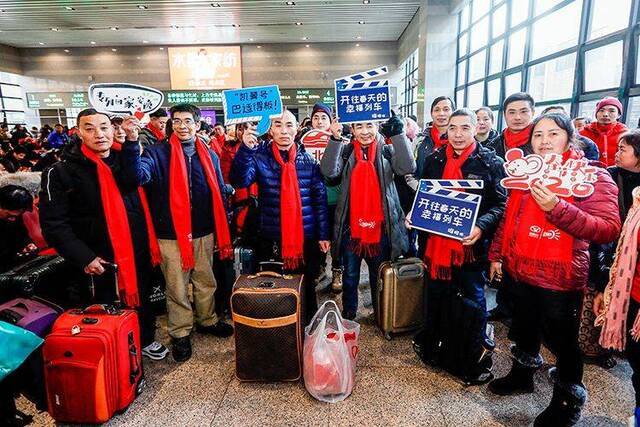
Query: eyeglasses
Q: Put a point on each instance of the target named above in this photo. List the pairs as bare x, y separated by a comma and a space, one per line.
186, 122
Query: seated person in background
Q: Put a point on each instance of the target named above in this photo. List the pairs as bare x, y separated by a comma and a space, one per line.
58, 138
14, 201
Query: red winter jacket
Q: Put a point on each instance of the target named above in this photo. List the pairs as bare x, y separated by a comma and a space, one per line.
228, 153
592, 219
606, 138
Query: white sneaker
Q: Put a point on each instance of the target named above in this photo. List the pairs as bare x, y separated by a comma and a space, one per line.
155, 351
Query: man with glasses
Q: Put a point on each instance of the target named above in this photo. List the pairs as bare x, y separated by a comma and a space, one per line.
185, 185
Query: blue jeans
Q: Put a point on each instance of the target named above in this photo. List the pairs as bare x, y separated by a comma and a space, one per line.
351, 273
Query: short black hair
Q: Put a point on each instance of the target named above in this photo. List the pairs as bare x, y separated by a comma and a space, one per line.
88, 112
442, 98
20, 149
554, 107
117, 120
465, 112
518, 96
206, 127
160, 112
15, 198
632, 139
413, 117
488, 111
186, 108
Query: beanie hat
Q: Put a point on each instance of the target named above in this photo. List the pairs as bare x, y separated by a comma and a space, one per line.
609, 100
321, 108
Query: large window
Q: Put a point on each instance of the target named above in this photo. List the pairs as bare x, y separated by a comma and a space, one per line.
409, 85
566, 52
11, 104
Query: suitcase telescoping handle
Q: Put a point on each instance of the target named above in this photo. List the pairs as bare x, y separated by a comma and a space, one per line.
270, 274
107, 266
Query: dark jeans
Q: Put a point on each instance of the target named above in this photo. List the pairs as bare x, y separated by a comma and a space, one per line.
553, 316
351, 273
633, 350
335, 262
268, 250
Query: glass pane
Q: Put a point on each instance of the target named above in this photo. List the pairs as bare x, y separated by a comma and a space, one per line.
459, 98
517, 41
587, 109
13, 104
462, 70
480, 34
512, 84
633, 112
519, 11
493, 92
552, 34
12, 91
477, 65
480, 7
638, 61
464, 23
542, 6
499, 20
606, 19
15, 118
463, 44
495, 60
474, 98
603, 67
552, 79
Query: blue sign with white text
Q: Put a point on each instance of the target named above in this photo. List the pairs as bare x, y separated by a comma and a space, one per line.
252, 104
448, 213
363, 105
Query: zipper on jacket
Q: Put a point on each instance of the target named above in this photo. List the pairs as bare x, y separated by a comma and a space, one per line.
190, 179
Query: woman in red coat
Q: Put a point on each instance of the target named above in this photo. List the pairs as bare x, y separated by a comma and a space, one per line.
543, 243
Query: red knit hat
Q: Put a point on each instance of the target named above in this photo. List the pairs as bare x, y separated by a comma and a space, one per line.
609, 100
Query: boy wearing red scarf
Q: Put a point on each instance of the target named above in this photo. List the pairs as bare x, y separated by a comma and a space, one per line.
155, 130
182, 177
292, 199
369, 222
459, 265
91, 213
606, 130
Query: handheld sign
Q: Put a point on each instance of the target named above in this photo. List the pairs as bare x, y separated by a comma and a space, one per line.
125, 98
315, 141
575, 177
360, 101
252, 104
439, 209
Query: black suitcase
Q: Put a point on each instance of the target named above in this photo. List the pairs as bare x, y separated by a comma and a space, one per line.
38, 275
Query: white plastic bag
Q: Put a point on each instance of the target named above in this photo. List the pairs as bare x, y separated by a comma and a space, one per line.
330, 354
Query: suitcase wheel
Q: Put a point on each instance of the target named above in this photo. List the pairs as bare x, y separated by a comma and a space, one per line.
387, 336
141, 386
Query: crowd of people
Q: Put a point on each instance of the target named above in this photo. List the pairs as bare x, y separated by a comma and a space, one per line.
181, 195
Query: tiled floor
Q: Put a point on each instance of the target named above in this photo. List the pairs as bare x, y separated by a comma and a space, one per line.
392, 388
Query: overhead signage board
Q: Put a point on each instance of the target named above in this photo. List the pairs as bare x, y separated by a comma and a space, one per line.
57, 100
205, 67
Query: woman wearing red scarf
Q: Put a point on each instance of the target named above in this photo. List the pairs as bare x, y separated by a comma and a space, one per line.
458, 265
543, 243
606, 130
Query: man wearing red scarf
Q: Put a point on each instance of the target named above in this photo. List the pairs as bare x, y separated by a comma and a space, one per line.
292, 199
91, 213
606, 130
154, 132
369, 219
458, 265
186, 189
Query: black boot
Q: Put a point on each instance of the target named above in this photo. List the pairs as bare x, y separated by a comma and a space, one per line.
565, 407
519, 380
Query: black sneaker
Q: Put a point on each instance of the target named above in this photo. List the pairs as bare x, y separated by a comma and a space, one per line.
181, 349
220, 329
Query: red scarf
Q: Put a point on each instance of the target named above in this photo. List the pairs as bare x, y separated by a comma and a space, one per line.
365, 203
443, 253
180, 202
438, 140
159, 134
514, 140
291, 227
115, 214
531, 243
154, 248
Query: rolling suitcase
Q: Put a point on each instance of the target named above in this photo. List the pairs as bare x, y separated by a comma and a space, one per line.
399, 304
92, 364
267, 317
37, 274
33, 314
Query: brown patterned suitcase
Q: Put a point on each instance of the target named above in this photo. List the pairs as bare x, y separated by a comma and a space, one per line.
268, 326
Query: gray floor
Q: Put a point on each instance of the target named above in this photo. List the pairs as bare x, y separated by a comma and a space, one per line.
392, 388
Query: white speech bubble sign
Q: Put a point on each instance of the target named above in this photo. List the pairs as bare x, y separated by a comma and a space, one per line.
124, 98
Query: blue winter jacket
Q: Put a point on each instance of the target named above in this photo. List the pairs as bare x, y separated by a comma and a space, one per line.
259, 165
152, 170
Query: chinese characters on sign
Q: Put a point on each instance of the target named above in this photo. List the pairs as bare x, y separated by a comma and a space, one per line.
205, 67
253, 104
124, 98
358, 100
443, 211
575, 177
315, 141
